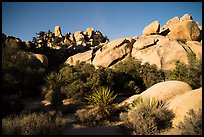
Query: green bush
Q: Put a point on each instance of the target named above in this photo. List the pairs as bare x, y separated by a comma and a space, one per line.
135, 76
147, 117
192, 124
190, 73
151, 75
127, 72
31, 124
83, 78
100, 107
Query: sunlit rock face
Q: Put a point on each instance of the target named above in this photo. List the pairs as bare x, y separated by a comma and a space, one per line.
113, 51
58, 32
151, 29
160, 50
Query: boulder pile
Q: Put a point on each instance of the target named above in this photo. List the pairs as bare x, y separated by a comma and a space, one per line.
161, 46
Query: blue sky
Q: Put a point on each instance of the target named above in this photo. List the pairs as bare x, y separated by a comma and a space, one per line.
114, 19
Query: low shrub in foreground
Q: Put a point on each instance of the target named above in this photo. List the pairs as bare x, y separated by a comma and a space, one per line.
192, 124
147, 117
31, 124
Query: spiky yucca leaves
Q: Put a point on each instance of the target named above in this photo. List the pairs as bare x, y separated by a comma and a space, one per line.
100, 107
147, 116
54, 81
153, 103
102, 97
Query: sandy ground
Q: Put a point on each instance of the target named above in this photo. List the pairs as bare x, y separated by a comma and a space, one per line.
71, 128
74, 129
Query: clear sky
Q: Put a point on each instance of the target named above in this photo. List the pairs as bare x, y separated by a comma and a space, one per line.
114, 19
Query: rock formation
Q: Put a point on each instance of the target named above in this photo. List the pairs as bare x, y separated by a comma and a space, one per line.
160, 50
85, 56
185, 30
58, 32
112, 52
152, 28
161, 47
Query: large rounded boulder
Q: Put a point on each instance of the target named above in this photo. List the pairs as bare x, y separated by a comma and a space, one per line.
180, 105
166, 90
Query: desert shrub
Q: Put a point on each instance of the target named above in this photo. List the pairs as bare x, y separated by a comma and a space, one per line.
101, 77
192, 124
190, 73
76, 79
127, 72
31, 124
151, 75
75, 89
100, 107
136, 76
147, 116
83, 78
57, 40
90, 116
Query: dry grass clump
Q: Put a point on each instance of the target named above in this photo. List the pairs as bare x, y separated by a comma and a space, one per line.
147, 117
192, 124
31, 124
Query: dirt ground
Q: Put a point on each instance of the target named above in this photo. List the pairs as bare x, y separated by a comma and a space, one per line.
71, 128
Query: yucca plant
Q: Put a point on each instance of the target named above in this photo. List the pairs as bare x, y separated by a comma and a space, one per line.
100, 107
54, 81
102, 97
150, 102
